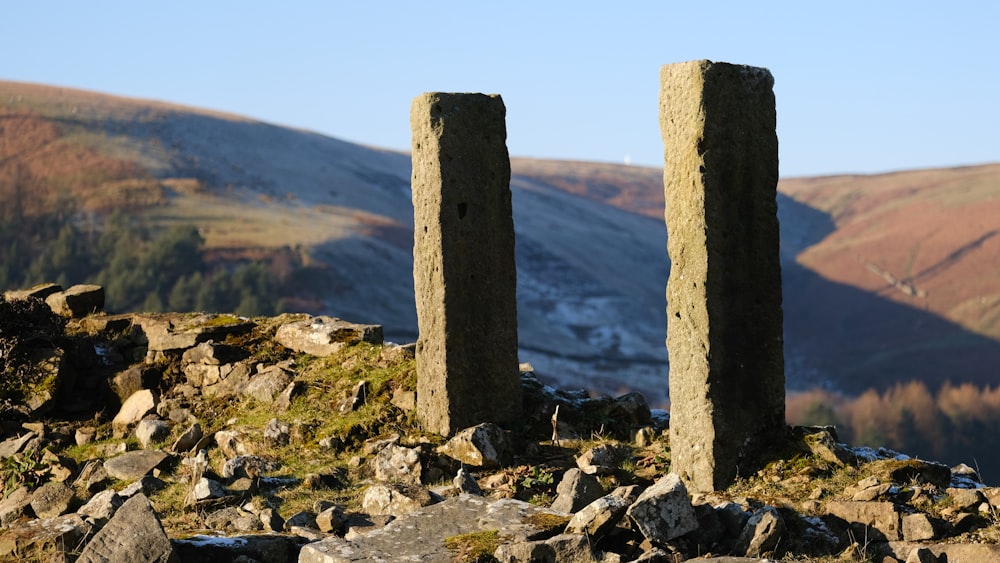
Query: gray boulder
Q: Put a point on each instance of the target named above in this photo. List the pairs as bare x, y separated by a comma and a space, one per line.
603, 459
484, 445
14, 506
134, 534
101, 507
268, 384
420, 535
77, 301
42, 536
138, 405
395, 499
249, 548
599, 517
188, 440
52, 499
322, 336
331, 520
564, 548
664, 512
761, 534
576, 490
206, 488
149, 431
397, 464
132, 465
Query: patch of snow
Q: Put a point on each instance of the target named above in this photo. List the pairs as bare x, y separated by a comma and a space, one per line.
201, 540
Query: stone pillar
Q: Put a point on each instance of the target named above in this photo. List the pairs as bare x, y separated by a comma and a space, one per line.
463, 263
724, 320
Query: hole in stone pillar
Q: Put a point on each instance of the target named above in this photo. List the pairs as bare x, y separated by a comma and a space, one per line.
462, 209
677, 314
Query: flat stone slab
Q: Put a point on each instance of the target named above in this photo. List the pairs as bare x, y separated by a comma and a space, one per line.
322, 336
420, 535
134, 465
176, 331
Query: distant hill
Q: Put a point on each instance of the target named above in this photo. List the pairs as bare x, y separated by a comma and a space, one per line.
886, 278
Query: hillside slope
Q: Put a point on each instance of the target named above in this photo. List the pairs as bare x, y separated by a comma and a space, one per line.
591, 256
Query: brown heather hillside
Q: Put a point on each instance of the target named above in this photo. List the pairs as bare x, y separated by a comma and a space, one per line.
924, 238
887, 278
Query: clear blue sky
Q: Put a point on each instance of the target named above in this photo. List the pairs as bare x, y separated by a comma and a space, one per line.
861, 86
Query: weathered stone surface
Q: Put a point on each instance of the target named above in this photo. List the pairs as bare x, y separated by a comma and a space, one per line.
913, 471
255, 547
965, 499
268, 383
761, 534
14, 505
950, 552
564, 547
233, 518
247, 466
420, 535
92, 477
146, 485
465, 482
138, 405
213, 353
877, 521
575, 491
15, 445
484, 445
599, 517
52, 499
101, 507
397, 464
207, 488
188, 439
823, 445
922, 555
132, 465
602, 459
301, 519
43, 536
40, 291
173, 331
133, 534
918, 527
271, 520
322, 336
395, 499
135, 378
464, 275
724, 333
664, 512
77, 301
149, 431
331, 520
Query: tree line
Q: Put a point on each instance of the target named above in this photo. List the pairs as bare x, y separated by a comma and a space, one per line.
141, 270
957, 423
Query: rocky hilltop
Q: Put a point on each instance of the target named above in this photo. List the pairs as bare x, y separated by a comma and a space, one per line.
205, 437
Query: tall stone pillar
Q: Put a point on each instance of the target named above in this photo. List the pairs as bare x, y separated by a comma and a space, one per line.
724, 319
463, 263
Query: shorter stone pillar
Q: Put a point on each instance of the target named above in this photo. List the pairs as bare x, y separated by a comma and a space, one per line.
463, 263
724, 331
